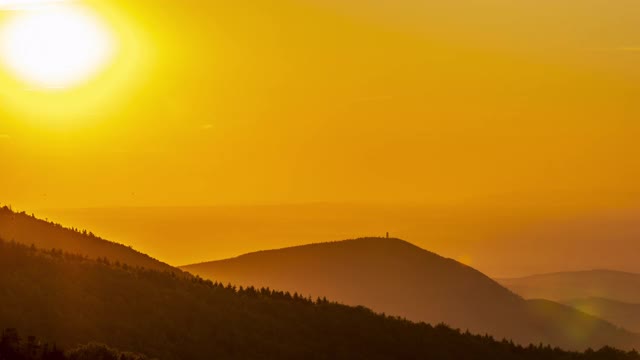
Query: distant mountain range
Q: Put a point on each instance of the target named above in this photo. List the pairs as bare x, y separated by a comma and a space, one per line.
611, 295
398, 278
619, 313
567, 286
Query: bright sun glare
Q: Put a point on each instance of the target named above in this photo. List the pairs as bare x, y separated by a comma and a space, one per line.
55, 47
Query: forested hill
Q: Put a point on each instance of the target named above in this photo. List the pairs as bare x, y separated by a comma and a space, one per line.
68, 300
399, 278
29, 230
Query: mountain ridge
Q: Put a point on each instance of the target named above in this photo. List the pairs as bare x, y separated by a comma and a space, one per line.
566, 286
626, 315
30, 230
396, 277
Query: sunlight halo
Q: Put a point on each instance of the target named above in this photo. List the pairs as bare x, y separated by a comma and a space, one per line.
55, 47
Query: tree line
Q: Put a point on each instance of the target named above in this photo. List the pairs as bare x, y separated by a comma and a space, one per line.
14, 347
70, 299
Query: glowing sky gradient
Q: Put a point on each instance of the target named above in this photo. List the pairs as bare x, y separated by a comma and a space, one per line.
361, 101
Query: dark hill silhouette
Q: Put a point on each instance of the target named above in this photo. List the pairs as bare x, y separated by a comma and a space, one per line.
29, 230
15, 347
67, 299
566, 286
398, 278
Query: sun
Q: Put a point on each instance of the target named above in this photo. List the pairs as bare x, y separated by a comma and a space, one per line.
55, 47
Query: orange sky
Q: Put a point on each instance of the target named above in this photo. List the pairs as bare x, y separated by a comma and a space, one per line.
360, 101
509, 239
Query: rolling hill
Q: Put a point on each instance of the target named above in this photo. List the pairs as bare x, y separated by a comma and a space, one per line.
68, 299
616, 312
613, 296
398, 278
567, 286
29, 230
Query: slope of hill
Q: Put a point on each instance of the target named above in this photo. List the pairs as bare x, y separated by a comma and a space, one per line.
566, 286
398, 278
68, 299
29, 230
616, 312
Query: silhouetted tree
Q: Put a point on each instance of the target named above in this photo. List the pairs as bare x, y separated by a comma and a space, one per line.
168, 317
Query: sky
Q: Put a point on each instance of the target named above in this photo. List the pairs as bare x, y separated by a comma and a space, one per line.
506, 240
298, 101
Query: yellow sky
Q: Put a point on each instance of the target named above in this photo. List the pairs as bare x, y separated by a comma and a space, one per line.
307, 100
